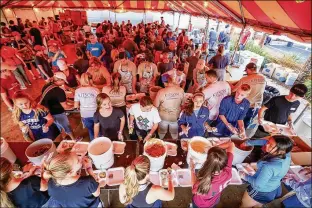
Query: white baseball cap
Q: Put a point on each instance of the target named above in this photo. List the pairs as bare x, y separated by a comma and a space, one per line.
60, 75
61, 64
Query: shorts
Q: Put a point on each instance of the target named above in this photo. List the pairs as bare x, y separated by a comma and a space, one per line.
62, 122
264, 197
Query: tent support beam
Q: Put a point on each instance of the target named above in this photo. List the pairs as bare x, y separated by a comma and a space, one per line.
242, 11
179, 20
223, 8
6, 19
7, 3
237, 43
206, 30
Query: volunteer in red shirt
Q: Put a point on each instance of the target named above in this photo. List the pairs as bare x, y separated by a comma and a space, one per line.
213, 177
10, 56
244, 39
9, 85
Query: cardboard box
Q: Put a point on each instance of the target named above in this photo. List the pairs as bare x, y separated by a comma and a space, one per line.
305, 156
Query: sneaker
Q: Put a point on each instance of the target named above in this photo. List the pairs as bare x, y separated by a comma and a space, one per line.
23, 88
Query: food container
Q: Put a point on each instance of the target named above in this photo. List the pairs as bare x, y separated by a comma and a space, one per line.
6, 151
156, 151
300, 177
246, 168
101, 152
184, 177
217, 141
101, 175
119, 147
184, 144
154, 178
115, 176
38, 149
80, 148
163, 178
240, 154
235, 180
65, 145
197, 150
17, 174
286, 130
171, 149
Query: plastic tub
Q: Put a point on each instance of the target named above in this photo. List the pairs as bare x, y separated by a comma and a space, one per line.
81, 148
157, 163
184, 177
198, 157
115, 176
291, 78
153, 91
119, 147
154, 178
101, 152
240, 155
6, 151
246, 168
101, 175
33, 150
163, 178
235, 180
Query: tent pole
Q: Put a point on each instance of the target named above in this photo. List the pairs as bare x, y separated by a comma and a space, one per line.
206, 30
237, 43
190, 22
172, 20
6, 19
179, 21
35, 15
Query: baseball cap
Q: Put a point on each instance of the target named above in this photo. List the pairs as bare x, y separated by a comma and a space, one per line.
61, 64
52, 43
39, 48
251, 66
299, 89
60, 75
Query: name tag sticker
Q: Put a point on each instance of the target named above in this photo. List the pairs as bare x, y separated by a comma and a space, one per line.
202, 116
293, 109
94, 49
242, 108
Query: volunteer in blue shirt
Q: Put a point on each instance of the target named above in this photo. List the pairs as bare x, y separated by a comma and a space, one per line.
95, 48
265, 184
232, 112
193, 119
55, 53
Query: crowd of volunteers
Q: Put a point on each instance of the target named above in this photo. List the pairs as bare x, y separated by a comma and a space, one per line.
192, 98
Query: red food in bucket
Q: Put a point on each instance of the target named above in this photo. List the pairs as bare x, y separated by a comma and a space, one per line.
41, 150
155, 150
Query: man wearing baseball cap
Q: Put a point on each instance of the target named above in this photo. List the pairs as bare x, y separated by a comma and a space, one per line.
257, 83
54, 98
55, 53
279, 109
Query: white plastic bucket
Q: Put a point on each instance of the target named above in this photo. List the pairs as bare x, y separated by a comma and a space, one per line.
153, 91
101, 152
280, 74
291, 78
157, 163
36, 160
240, 155
198, 158
6, 151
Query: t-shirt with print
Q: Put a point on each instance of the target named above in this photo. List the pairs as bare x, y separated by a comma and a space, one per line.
214, 94
169, 101
279, 109
8, 55
118, 99
218, 184
219, 62
232, 112
86, 96
9, 86
164, 67
144, 120
171, 53
60, 56
78, 194
35, 123
109, 126
95, 49
257, 84
53, 99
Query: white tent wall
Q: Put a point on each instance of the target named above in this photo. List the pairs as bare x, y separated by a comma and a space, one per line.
25, 13
43, 12
9, 14
3, 18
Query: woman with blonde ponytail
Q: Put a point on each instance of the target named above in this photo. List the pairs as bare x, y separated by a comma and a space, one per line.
67, 188
138, 191
33, 119
20, 192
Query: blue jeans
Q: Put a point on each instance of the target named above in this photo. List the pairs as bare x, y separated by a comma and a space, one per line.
89, 124
62, 122
250, 115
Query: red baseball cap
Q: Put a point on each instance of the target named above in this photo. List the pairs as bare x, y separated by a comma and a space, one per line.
39, 48
52, 43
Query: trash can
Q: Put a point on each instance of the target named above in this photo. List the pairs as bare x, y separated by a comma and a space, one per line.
269, 92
